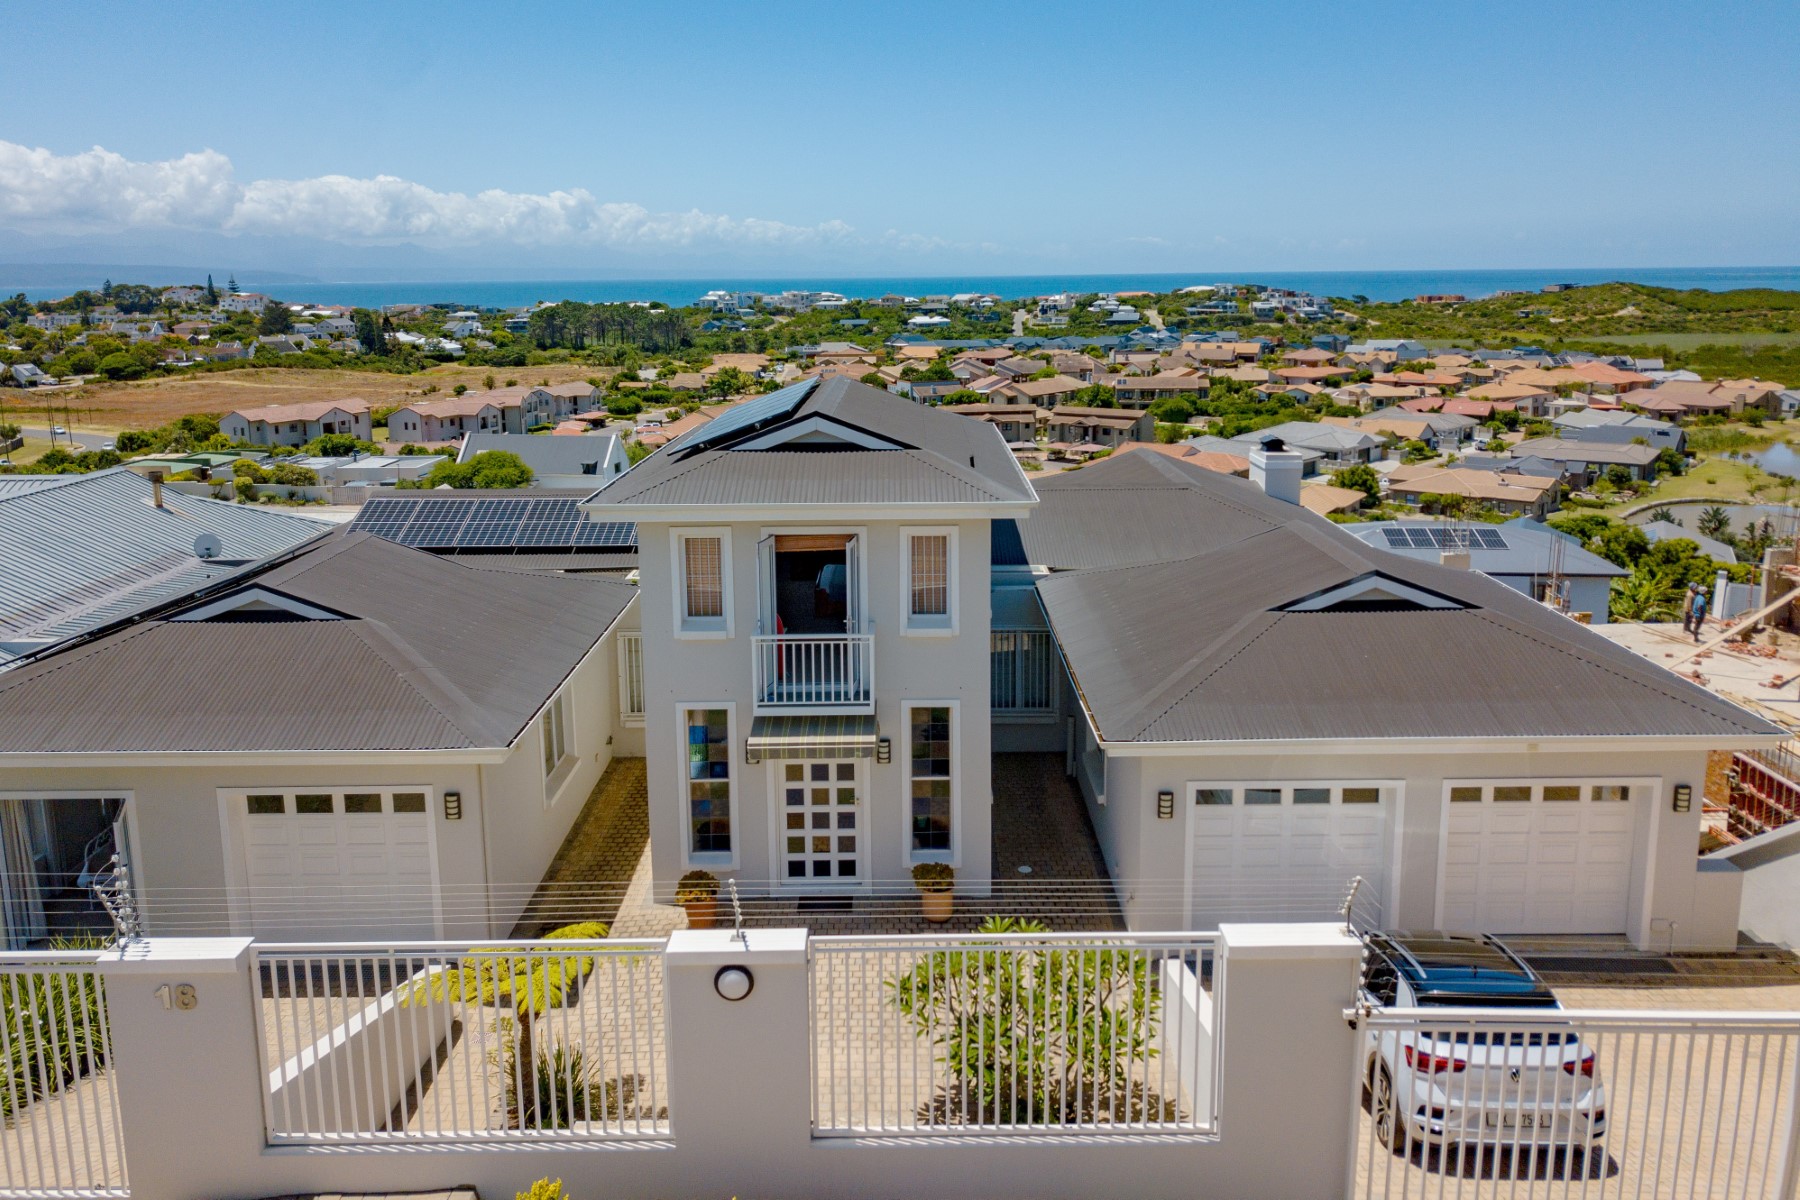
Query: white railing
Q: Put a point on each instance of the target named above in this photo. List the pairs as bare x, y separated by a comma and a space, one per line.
451, 1043
61, 1134
1489, 1103
819, 673
1023, 665
1013, 1034
631, 678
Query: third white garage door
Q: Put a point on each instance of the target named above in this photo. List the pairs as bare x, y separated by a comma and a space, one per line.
1538, 857
1285, 852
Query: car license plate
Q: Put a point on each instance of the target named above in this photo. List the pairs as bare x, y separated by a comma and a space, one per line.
1508, 1120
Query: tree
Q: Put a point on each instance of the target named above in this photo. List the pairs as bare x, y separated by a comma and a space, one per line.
338, 445
531, 984
231, 286
212, 293
368, 331
489, 469
1037, 1033
121, 365
276, 319
1618, 476
1714, 521
1361, 478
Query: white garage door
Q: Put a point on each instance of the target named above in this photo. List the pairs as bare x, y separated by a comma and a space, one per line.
1286, 852
1538, 857
339, 865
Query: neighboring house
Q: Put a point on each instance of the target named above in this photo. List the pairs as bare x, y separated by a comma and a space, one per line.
1584, 461
1525, 555
814, 569
1037, 393
1330, 500
250, 302
80, 551
1070, 425
1018, 424
1618, 426
1517, 495
297, 424
1323, 709
570, 461
449, 419
370, 469
1147, 390
1666, 531
388, 763
1336, 446
926, 391
1212, 460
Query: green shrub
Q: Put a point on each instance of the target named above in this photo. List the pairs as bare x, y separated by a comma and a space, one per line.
53, 1021
933, 876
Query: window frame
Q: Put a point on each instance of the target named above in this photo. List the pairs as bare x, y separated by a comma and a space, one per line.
709, 859
953, 855
930, 624
701, 628
555, 726
1639, 789
629, 717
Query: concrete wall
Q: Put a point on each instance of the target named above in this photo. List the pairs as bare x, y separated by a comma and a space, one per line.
190, 1085
1146, 855
714, 672
1768, 868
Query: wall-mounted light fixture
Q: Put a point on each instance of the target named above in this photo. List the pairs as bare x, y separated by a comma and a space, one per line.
1684, 797
1165, 805
734, 983
884, 750
452, 806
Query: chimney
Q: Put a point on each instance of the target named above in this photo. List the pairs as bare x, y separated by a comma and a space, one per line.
156, 481
1458, 558
1276, 470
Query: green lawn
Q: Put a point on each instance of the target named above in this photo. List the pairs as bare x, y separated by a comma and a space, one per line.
1718, 479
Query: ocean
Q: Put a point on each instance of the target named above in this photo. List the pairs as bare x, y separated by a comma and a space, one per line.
1374, 285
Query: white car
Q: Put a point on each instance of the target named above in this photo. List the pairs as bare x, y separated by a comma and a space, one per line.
58, 431
1537, 1085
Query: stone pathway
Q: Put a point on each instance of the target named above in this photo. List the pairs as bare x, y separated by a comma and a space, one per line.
602, 871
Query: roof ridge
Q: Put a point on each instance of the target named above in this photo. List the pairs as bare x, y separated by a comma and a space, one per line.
441, 695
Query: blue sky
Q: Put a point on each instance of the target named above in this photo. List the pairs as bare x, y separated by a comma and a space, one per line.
936, 137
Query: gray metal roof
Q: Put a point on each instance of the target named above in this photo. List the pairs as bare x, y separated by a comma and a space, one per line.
1135, 508
429, 654
931, 456
1666, 531
1237, 665
1564, 450
560, 454
84, 550
1525, 548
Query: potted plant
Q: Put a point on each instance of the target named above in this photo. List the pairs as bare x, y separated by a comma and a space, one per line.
935, 881
698, 892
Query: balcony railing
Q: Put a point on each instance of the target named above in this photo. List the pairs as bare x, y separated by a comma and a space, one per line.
814, 673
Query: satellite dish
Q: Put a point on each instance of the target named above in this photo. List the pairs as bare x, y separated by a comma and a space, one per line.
207, 546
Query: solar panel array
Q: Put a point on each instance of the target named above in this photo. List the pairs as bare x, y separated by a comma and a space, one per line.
1438, 537
771, 407
502, 523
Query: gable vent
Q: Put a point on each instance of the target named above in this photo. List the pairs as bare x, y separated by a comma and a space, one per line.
1374, 592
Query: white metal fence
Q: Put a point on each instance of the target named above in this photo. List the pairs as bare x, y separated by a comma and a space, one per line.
452, 1043
806, 670
61, 1129
1013, 1033
1472, 1104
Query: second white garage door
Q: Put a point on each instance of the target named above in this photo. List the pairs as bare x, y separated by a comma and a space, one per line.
339, 865
1534, 858
1285, 852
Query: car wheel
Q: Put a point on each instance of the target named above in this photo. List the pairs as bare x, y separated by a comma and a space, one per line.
1384, 1110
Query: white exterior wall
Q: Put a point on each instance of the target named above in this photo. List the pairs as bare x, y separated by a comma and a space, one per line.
1146, 855
682, 673
186, 847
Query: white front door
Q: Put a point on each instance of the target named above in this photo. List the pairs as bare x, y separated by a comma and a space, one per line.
1538, 857
820, 822
1285, 852
347, 865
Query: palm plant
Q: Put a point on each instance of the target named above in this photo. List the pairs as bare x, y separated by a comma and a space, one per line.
531, 983
1714, 521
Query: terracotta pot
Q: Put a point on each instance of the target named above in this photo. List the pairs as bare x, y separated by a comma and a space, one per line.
702, 914
937, 906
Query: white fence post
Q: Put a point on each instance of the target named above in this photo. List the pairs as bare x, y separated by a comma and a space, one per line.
1301, 978
186, 1055
740, 1071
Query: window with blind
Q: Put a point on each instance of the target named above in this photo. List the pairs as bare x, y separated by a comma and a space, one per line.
702, 603
930, 583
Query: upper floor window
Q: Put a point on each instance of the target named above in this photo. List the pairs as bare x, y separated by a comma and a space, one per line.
930, 579
703, 562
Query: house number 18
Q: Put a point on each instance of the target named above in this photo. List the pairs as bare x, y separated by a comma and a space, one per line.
180, 995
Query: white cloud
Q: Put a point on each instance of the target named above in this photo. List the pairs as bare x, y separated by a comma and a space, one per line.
98, 190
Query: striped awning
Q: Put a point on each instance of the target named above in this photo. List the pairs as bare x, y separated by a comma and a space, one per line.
812, 737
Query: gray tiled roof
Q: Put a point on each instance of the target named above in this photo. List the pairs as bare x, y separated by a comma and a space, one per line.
430, 655
86, 550
562, 454
936, 457
1237, 667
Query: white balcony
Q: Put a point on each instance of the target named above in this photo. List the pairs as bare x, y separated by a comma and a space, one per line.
814, 673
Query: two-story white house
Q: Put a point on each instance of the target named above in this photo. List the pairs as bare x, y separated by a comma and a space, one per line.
814, 567
297, 424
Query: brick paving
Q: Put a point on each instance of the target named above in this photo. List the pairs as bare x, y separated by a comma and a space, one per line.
602, 871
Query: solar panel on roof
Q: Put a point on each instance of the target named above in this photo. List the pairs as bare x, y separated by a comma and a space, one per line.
771, 407
436, 522
1397, 539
